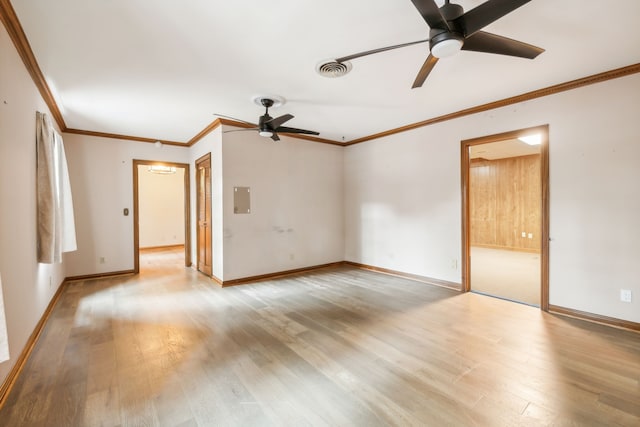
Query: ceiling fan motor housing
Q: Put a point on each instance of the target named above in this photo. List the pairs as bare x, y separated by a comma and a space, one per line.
451, 12
263, 124
445, 42
264, 127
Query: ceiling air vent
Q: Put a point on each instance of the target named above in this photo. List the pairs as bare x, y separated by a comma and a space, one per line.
332, 68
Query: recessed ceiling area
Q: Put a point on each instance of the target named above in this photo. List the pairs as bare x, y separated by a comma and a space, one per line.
503, 150
162, 69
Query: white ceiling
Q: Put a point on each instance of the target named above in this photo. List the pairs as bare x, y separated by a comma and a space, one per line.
161, 68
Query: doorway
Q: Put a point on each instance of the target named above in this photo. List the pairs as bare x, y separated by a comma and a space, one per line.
203, 209
161, 169
505, 220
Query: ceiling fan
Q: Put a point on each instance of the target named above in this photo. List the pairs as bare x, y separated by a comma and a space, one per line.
451, 30
268, 126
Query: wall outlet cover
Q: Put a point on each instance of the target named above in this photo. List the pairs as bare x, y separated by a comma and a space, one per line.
625, 295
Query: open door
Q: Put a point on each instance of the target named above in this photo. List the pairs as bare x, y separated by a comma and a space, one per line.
505, 210
136, 207
203, 207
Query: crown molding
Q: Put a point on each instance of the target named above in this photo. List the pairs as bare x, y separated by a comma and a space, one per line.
204, 132
539, 93
14, 28
551, 90
16, 33
126, 137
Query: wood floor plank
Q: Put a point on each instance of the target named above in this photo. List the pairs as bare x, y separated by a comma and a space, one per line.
381, 408
338, 346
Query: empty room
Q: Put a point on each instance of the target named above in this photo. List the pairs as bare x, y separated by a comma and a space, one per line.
365, 213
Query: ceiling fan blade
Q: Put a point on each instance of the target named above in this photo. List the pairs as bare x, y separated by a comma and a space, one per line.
483, 15
285, 129
275, 137
493, 43
382, 49
241, 130
276, 122
233, 118
431, 14
424, 71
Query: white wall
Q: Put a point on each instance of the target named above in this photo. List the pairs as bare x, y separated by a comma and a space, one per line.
296, 217
26, 285
101, 173
161, 204
403, 198
402, 203
297, 202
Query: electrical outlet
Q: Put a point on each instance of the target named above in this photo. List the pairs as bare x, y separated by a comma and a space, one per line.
530, 235
524, 234
101, 260
625, 295
292, 257
454, 264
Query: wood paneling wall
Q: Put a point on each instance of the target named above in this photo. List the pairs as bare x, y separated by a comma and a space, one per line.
505, 197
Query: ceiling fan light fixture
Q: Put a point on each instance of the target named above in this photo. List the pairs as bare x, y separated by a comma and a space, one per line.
447, 47
266, 133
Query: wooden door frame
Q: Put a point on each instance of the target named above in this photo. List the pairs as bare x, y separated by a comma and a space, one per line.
544, 226
204, 158
136, 210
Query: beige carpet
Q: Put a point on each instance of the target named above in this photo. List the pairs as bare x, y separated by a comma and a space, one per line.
506, 274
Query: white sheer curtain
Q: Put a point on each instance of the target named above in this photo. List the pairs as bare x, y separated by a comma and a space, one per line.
4, 342
56, 225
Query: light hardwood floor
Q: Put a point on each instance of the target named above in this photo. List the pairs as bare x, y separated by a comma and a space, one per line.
337, 347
